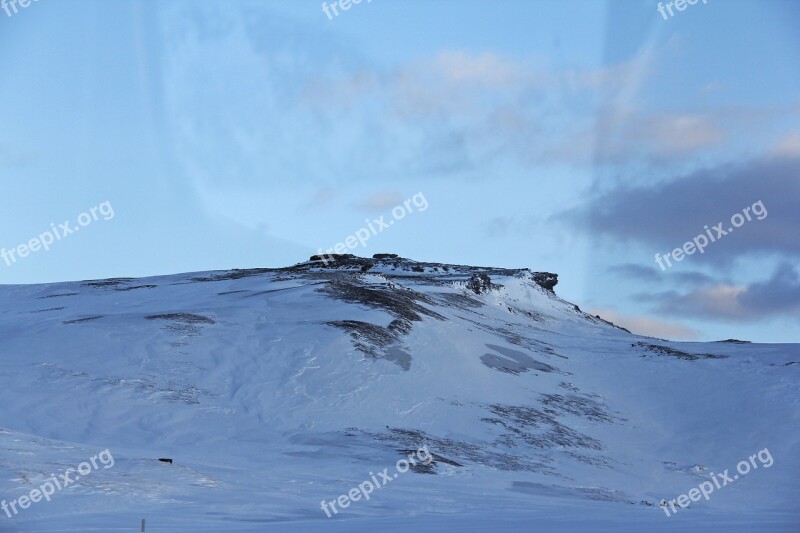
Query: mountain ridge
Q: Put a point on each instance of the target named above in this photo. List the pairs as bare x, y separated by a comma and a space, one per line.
320, 373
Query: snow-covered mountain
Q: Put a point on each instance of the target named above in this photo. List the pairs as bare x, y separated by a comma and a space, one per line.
272, 390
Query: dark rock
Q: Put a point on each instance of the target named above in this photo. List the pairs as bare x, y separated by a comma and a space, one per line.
479, 283
333, 258
546, 280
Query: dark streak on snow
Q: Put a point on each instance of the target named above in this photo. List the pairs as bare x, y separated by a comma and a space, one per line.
672, 352
84, 319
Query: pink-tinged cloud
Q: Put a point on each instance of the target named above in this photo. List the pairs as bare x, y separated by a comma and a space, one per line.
648, 326
788, 146
779, 295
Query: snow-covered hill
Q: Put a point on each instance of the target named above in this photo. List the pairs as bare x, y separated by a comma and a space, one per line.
275, 389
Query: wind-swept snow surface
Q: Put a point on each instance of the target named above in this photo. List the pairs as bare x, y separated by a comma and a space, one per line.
275, 389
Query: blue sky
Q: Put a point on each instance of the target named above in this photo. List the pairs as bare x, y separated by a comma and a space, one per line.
574, 137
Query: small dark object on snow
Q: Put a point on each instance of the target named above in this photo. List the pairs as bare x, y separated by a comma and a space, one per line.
165, 460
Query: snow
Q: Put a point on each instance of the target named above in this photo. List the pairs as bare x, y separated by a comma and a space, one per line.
267, 407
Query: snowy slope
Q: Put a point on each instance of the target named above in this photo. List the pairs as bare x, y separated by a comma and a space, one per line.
274, 389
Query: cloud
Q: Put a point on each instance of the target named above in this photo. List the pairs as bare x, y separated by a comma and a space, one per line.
459, 111
788, 146
778, 295
624, 133
289, 106
720, 301
691, 278
498, 226
321, 197
502, 226
665, 215
651, 274
382, 201
679, 134
712, 87
15, 158
451, 77
635, 271
489, 69
651, 327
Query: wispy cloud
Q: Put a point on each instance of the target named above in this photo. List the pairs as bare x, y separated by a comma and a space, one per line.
648, 326
636, 272
322, 196
458, 110
381, 201
651, 274
789, 146
622, 133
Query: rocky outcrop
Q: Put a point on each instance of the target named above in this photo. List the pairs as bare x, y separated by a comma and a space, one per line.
474, 274
546, 280
479, 283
